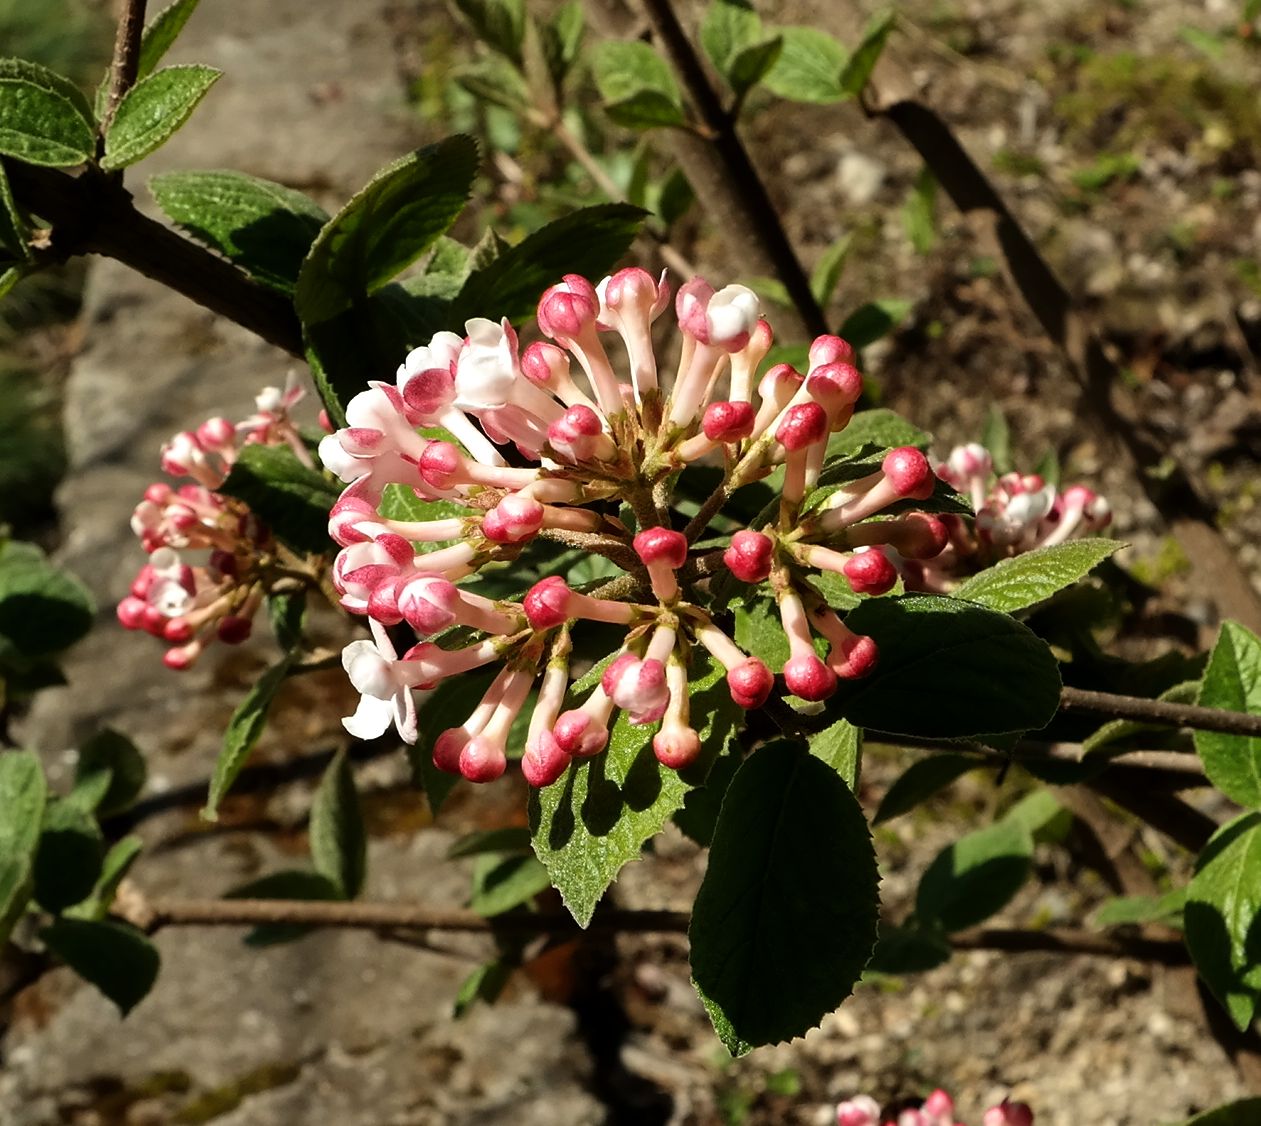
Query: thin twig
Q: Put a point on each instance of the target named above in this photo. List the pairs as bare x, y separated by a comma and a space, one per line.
126, 62
1160, 711
1165, 951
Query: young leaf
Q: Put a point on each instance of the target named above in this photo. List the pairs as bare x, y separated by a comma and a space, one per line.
587, 241
42, 609
495, 81
729, 26
500, 24
287, 612
752, 64
161, 33
828, 270
1041, 815
785, 919
290, 498
868, 323
1131, 910
485, 983
120, 961
1233, 681
114, 868
975, 877
973, 671
152, 110
23, 793
339, 845
385, 227
1222, 917
996, 437
264, 227
244, 728
501, 883
598, 815
636, 85
110, 772
858, 68
841, 747
920, 781
68, 857
46, 120
808, 68
1025, 580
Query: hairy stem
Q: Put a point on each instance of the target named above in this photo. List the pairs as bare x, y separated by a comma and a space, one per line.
126, 62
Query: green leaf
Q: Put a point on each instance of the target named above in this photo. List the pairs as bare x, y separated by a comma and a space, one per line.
290, 498
587, 241
244, 728
152, 110
828, 270
385, 227
598, 815
161, 33
515, 839
500, 24
339, 844
13, 231
1244, 1112
120, 961
976, 876
729, 26
287, 612
996, 437
15, 892
42, 609
636, 85
919, 213
1222, 917
288, 884
485, 983
908, 950
1025, 580
880, 427
858, 68
110, 772
1122, 731
785, 919
674, 198
841, 747
1133, 910
752, 64
1233, 681
114, 868
699, 815
9, 277
868, 323
68, 857
264, 227
808, 68
972, 671
920, 781
1042, 816
23, 793
501, 883
494, 81
44, 118
758, 630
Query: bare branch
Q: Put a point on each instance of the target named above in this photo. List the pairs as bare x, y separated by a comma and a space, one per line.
126, 62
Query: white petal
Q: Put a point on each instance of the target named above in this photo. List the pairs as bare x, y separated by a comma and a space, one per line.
372, 718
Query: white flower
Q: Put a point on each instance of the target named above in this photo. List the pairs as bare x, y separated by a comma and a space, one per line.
383, 683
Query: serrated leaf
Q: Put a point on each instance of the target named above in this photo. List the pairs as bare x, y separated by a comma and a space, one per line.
110, 772
339, 844
908, 950
265, 228
827, 272
808, 68
920, 781
42, 608
385, 227
1222, 917
244, 728
879, 427
860, 64
598, 815
120, 961
501, 883
68, 856
152, 110
587, 241
791, 884
1233, 681
974, 671
23, 794
1025, 580
975, 877
289, 884
636, 84
869, 322
160, 33
840, 745
44, 118
291, 499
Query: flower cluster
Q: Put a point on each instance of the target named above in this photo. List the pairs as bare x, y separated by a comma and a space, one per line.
1015, 513
189, 605
595, 458
936, 1110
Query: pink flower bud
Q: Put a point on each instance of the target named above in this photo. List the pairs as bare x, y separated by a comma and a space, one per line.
447, 748
568, 309
547, 603
939, 1105
808, 677
576, 435
727, 422
177, 631
638, 687
855, 657
861, 1110
870, 572
908, 471
750, 683
579, 734
543, 363
234, 630
802, 426
830, 350
676, 747
543, 761
513, 519
482, 759
428, 394
216, 433
835, 386
661, 546
1008, 1114
972, 460
131, 612
427, 603
749, 556
921, 536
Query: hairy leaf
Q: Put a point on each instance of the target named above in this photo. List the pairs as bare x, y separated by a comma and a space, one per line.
152, 110
841, 747
160, 33
110, 772
44, 118
501, 883
292, 499
1233, 681
23, 793
1025, 580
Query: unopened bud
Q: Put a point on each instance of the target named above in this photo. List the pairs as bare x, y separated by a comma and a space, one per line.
749, 556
